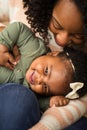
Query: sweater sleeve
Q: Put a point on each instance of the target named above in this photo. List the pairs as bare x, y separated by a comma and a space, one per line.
15, 34
57, 118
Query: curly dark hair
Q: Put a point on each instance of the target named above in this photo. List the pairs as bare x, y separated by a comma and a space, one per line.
79, 60
39, 13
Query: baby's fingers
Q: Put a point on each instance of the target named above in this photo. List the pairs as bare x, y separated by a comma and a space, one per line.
11, 60
63, 102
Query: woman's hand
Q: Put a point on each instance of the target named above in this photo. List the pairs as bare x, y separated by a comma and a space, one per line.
6, 58
16, 53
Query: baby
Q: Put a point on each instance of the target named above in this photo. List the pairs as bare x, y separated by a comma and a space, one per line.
57, 74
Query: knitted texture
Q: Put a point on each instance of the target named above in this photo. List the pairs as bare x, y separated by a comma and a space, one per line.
57, 118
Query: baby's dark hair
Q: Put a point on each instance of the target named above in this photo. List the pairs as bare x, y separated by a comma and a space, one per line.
79, 61
39, 14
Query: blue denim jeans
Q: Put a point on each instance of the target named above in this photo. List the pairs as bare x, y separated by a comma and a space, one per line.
19, 109
79, 125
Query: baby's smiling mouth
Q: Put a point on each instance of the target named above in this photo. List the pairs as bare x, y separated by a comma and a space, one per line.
32, 78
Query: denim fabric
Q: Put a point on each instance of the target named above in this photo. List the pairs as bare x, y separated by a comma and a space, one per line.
19, 109
79, 125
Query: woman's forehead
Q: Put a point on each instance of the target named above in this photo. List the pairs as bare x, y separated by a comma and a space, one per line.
68, 15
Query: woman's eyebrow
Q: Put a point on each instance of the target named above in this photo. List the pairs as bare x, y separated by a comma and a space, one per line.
57, 22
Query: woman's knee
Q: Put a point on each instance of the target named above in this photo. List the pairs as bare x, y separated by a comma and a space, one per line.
19, 106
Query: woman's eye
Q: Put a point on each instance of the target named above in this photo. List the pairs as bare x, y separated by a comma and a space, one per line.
46, 71
79, 36
56, 25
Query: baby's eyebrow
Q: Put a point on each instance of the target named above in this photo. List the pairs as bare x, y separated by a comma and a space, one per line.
50, 71
49, 85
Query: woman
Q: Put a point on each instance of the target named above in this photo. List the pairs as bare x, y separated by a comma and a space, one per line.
65, 19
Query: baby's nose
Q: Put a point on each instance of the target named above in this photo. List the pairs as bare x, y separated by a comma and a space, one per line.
40, 80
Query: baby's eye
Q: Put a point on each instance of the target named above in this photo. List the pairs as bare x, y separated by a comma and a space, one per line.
46, 71
45, 88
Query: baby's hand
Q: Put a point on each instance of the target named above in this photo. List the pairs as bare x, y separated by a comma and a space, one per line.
58, 101
6, 59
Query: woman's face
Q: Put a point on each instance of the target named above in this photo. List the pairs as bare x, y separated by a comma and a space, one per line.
47, 75
66, 23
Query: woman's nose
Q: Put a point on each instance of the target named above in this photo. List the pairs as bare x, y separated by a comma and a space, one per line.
62, 38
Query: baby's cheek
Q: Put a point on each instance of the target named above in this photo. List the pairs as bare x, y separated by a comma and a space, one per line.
37, 89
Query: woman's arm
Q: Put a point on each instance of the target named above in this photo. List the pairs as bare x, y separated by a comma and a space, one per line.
6, 58
10, 36
57, 118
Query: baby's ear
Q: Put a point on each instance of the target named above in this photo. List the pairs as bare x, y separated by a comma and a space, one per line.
53, 53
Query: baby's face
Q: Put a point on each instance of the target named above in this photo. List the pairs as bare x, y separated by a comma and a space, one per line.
46, 75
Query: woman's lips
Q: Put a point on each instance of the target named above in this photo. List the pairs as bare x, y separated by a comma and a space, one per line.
32, 78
